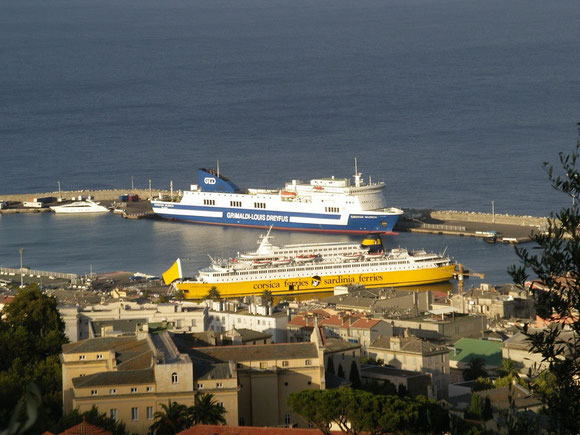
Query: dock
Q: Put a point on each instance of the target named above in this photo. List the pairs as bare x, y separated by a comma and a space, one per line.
493, 228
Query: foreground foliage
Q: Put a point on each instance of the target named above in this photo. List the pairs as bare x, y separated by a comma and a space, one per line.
558, 268
31, 336
356, 411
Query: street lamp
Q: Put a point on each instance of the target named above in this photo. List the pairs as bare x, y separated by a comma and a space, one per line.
59, 196
21, 273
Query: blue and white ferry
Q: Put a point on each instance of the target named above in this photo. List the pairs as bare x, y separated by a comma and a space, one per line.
329, 205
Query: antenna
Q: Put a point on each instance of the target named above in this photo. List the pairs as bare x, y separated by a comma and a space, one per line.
444, 251
356, 174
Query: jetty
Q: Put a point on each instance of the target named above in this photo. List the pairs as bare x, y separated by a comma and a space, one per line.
495, 228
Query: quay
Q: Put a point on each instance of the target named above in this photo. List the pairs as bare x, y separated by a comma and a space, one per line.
504, 228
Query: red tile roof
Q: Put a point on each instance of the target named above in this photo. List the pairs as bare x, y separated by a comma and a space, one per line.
202, 429
365, 323
84, 428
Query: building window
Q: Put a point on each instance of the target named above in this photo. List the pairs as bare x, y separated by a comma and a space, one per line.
219, 385
94, 392
133, 390
82, 357
113, 414
308, 362
287, 419
134, 414
100, 356
199, 386
241, 421
149, 389
263, 365
113, 391
285, 363
174, 378
149, 413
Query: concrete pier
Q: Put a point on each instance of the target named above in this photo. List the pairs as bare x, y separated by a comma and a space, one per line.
509, 228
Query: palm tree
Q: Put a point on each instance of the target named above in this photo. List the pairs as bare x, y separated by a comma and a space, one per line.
173, 419
475, 369
267, 297
213, 293
508, 368
206, 410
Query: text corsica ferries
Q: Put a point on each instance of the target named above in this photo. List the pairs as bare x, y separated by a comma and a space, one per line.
325, 205
309, 268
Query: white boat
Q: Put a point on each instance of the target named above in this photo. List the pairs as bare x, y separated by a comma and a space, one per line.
333, 205
87, 206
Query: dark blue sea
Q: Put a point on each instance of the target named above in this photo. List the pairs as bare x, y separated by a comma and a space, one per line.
453, 103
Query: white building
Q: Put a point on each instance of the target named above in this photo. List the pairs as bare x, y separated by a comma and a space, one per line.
80, 321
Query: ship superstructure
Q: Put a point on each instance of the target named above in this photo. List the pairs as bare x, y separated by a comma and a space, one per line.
323, 204
313, 268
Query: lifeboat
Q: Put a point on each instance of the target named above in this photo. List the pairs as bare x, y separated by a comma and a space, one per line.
261, 263
374, 255
304, 258
286, 194
353, 256
283, 261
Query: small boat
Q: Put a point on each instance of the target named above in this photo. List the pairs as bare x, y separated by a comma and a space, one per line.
355, 256
261, 263
87, 206
304, 258
374, 255
281, 261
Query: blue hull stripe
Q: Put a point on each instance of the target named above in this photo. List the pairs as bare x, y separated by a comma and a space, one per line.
356, 223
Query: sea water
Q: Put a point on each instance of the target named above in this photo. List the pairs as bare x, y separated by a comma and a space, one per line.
453, 104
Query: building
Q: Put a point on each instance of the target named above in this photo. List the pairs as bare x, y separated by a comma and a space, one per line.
466, 349
382, 302
510, 302
266, 375
179, 316
416, 383
416, 355
441, 325
224, 316
355, 328
129, 377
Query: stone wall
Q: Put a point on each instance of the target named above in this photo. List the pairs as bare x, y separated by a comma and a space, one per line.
98, 195
488, 218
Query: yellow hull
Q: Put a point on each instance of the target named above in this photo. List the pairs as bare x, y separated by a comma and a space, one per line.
318, 284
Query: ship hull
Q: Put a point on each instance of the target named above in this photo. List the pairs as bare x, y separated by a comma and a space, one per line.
316, 283
351, 223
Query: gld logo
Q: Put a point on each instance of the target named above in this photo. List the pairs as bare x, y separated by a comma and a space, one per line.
209, 180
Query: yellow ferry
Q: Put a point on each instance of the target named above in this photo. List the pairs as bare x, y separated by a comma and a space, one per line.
312, 268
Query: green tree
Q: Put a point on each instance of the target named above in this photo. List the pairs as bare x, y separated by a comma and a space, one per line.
487, 413
330, 366
481, 384
172, 419
93, 416
213, 294
557, 267
475, 407
508, 368
316, 407
207, 410
354, 375
475, 369
340, 372
267, 296
357, 411
31, 337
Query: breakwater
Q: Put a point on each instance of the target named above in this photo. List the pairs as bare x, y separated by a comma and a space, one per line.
97, 195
